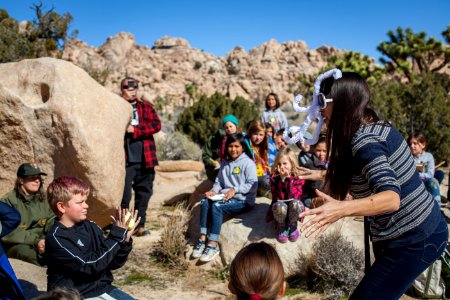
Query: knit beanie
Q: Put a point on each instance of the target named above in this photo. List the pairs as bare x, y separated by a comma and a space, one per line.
230, 118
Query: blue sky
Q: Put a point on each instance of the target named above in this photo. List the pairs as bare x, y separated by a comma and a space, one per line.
218, 26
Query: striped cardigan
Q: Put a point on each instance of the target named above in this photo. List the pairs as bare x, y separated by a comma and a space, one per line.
382, 161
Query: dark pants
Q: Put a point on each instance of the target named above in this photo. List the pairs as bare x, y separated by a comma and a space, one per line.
395, 269
141, 180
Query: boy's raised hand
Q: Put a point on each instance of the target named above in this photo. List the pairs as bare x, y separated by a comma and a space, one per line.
125, 219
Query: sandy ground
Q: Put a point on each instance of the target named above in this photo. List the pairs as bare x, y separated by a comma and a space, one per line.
144, 278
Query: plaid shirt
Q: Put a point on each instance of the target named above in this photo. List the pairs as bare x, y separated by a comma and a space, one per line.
149, 124
291, 188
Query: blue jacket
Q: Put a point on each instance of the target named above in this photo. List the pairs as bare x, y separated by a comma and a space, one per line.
9, 285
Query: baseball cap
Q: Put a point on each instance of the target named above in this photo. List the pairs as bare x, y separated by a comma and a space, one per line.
28, 169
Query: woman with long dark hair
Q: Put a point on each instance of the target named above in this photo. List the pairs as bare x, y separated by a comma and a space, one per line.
370, 159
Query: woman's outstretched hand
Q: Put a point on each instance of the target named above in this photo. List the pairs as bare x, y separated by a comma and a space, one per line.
329, 212
308, 174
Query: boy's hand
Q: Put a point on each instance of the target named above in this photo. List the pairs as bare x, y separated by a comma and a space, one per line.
124, 219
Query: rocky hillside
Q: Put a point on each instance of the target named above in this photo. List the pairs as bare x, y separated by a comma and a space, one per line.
165, 69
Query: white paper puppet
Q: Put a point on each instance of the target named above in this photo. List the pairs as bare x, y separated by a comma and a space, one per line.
298, 132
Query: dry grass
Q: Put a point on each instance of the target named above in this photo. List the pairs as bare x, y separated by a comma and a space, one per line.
334, 266
171, 247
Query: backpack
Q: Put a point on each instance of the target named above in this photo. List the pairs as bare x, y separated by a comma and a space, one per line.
432, 283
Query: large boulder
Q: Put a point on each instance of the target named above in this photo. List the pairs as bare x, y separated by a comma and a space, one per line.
55, 114
239, 231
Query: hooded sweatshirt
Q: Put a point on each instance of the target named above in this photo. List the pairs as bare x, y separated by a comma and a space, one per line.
239, 174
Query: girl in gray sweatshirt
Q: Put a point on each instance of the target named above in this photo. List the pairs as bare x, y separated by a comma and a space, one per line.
234, 192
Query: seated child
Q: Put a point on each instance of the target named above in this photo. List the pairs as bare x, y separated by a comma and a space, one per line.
286, 186
425, 164
237, 182
279, 140
79, 256
213, 152
315, 161
256, 273
269, 130
9, 285
258, 143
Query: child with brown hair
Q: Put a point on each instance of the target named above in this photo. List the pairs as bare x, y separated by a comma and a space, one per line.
256, 273
79, 256
258, 144
273, 114
286, 190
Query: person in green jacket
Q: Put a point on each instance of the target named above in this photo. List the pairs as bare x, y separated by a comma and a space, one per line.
27, 241
213, 152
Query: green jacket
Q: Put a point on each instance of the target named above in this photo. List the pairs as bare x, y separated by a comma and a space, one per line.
212, 149
36, 219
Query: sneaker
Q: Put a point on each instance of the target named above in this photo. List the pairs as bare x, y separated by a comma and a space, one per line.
294, 234
210, 253
283, 236
198, 250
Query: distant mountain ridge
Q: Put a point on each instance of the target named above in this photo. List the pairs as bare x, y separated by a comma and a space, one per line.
165, 69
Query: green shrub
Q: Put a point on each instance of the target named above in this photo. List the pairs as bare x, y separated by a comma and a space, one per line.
203, 118
197, 65
100, 75
421, 105
177, 146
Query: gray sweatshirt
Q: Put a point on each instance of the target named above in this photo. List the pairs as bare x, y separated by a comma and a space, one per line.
239, 174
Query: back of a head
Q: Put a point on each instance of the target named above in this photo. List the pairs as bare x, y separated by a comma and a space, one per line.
256, 271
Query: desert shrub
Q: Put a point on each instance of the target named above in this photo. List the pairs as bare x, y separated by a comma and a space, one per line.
197, 65
171, 247
202, 119
177, 146
334, 266
100, 75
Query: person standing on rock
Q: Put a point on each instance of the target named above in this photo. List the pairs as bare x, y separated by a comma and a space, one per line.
27, 241
140, 151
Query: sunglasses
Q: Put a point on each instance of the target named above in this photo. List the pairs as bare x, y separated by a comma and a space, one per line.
322, 100
130, 85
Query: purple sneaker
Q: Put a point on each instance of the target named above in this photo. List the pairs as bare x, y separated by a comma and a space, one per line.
294, 235
283, 236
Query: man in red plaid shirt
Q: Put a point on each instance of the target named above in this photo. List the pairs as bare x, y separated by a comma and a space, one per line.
140, 151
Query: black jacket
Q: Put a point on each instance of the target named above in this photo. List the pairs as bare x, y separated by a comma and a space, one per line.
81, 257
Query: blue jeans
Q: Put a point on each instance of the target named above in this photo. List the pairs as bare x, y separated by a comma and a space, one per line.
211, 215
395, 269
433, 188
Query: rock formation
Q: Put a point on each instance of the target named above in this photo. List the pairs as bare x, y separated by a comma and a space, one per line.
166, 68
54, 114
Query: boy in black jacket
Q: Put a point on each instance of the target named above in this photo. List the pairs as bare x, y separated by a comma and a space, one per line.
78, 254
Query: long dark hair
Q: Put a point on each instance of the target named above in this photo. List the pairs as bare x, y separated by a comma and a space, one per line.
241, 139
351, 96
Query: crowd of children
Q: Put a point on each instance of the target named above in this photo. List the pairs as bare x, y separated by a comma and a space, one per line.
55, 232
